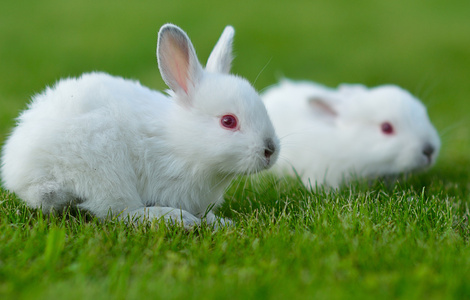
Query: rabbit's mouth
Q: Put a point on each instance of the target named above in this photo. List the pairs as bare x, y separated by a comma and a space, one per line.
262, 157
426, 159
262, 163
268, 160
270, 153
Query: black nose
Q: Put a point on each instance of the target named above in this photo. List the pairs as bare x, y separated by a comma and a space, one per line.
428, 150
269, 148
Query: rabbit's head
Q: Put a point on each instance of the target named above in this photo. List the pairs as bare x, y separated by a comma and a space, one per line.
384, 129
220, 122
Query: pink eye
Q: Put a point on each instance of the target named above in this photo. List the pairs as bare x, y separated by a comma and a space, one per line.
387, 128
229, 122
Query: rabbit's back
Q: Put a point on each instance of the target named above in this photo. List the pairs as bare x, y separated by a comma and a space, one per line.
75, 97
92, 123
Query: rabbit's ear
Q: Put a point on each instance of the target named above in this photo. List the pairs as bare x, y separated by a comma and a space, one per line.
322, 107
177, 60
220, 59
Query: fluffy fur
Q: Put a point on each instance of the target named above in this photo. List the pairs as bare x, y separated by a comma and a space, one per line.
330, 135
110, 145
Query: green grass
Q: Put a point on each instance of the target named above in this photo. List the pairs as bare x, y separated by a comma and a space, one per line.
407, 238
385, 242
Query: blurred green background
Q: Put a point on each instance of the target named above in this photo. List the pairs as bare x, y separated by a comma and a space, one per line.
423, 46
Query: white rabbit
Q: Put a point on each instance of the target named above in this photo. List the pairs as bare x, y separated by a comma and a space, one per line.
110, 145
330, 136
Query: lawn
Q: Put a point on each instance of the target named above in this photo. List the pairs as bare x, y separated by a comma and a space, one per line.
403, 238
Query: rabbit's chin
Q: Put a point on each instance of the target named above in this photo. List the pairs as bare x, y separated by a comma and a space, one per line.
421, 164
393, 175
264, 164
258, 170
253, 168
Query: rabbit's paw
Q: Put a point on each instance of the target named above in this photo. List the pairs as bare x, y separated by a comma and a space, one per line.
218, 222
179, 216
169, 214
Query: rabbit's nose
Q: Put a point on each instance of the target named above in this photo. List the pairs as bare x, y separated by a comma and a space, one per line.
270, 148
428, 150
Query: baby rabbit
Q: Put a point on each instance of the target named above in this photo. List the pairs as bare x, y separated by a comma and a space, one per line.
110, 145
330, 136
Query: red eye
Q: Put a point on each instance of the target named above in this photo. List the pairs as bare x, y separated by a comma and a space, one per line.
387, 128
229, 122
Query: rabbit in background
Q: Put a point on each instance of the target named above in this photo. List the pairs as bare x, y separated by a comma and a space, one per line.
330, 136
110, 145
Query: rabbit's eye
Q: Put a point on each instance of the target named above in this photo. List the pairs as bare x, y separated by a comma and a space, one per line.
229, 122
387, 128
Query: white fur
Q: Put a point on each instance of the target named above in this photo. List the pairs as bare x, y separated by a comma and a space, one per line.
331, 135
110, 145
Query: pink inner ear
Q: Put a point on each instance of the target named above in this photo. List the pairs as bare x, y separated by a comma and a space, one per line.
179, 64
319, 104
180, 78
